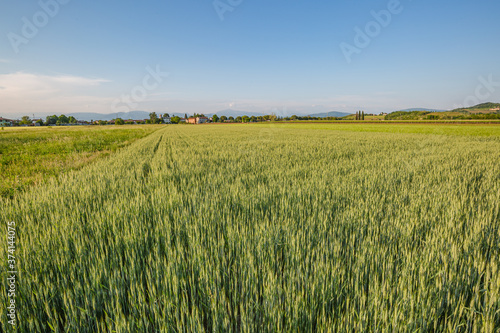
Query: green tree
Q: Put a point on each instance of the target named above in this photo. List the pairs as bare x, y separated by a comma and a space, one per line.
231, 118
63, 119
25, 120
119, 121
102, 122
72, 120
223, 119
175, 120
51, 120
215, 118
153, 118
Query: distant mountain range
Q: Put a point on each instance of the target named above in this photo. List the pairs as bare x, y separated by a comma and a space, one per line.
422, 109
289, 113
136, 115
480, 111
483, 106
337, 114
235, 113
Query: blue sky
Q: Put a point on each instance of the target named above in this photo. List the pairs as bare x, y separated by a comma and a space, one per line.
287, 57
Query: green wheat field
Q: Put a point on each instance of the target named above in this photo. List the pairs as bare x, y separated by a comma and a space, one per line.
266, 228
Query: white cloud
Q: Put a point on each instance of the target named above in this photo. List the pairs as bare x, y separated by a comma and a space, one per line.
27, 93
24, 93
32, 83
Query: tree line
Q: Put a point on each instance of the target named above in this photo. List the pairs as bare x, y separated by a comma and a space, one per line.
155, 118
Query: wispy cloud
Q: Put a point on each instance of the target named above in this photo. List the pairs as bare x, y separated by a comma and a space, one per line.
24, 93
27, 93
4, 61
29, 83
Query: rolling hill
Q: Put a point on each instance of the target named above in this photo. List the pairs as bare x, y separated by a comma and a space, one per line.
480, 111
484, 107
421, 109
110, 116
337, 114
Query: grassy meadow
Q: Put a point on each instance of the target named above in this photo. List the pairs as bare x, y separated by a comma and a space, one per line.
266, 228
28, 156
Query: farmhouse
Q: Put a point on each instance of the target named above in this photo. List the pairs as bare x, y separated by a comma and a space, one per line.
5, 122
197, 120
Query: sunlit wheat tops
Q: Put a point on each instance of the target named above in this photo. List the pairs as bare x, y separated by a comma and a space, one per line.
265, 229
